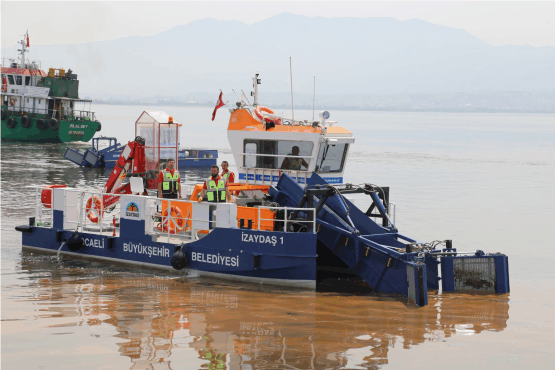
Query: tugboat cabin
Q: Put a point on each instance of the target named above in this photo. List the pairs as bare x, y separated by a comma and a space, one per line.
264, 148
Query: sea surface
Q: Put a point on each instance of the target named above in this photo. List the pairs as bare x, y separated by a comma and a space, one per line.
486, 181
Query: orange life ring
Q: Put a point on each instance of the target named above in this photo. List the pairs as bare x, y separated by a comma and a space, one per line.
4, 88
175, 226
12, 101
258, 111
94, 211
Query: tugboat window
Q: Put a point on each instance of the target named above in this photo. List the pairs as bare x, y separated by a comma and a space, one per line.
250, 160
18, 80
27, 80
331, 158
11, 80
275, 152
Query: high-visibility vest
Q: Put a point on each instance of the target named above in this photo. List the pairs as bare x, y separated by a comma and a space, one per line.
169, 186
215, 192
226, 175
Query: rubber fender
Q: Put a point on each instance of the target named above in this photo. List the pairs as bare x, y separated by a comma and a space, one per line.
54, 124
25, 122
99, 127
11, 122
75, 242
3, 114
42, 125
24, 228
179, 259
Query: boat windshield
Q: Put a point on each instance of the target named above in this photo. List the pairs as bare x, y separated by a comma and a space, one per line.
331, 157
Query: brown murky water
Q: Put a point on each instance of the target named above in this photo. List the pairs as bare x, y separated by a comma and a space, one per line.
486, 181
147, 320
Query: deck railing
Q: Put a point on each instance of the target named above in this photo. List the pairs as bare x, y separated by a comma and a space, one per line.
174, 220
76, 115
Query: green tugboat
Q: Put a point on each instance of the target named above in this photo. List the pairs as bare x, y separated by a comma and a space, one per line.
40, 107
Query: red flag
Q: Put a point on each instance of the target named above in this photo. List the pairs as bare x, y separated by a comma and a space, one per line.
27, 40
219, 104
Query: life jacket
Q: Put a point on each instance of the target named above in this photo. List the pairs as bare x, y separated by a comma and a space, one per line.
226, 175
169, 186
215, 192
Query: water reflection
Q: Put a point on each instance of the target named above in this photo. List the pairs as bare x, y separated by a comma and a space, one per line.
167, 322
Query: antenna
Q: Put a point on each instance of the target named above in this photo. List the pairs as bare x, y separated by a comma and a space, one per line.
314, 98
292, 105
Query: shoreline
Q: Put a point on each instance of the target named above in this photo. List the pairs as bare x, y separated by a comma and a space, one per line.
385, 109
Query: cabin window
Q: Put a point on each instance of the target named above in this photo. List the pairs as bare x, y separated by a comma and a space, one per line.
331, 157
11, 80
27, 80
18, 80
250, 160
27, 100
275, 152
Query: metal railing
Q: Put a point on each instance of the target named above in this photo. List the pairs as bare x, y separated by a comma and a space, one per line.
287, 222
86, 211
75, 115
44, 216
165, 223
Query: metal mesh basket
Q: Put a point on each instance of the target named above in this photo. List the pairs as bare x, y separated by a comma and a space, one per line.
474, 274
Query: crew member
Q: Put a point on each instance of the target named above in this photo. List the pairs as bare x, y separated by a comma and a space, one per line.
215, 188
226, 173
169, 181
292, 163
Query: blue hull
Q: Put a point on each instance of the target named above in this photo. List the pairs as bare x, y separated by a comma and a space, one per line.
226, 253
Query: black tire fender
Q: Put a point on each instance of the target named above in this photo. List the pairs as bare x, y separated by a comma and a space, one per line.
11, 122
42, 125
25, 122
53, 124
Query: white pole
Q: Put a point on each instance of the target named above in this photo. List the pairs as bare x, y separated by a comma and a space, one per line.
314, 98
292, 105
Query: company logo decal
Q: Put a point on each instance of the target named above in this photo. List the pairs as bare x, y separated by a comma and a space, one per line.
132, 210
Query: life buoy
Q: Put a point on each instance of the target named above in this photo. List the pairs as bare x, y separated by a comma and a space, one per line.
42, 125
4, 88
25, 122
54, 124
258, 111
94, 212
12, 101
175, 225
11, 122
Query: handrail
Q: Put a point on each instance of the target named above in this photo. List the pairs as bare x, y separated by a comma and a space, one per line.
76, 214
74, 115
285, 219
278, 155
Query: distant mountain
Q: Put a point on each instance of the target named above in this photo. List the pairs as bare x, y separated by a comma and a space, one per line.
347, 56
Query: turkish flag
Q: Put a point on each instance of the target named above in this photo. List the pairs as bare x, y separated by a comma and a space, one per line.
27, 40
219, 104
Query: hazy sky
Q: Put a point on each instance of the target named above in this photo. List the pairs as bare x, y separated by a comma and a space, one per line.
495, 22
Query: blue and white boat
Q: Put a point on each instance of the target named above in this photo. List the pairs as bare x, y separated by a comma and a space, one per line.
289, 219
